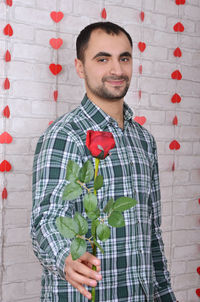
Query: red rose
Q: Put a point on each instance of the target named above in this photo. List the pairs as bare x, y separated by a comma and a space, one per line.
99, 143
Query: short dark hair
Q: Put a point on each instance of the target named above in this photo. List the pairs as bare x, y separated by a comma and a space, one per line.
84, 36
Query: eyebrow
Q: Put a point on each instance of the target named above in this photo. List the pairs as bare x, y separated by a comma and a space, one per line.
106, 54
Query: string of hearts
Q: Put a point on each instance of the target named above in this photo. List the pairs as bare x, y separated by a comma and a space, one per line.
5, 137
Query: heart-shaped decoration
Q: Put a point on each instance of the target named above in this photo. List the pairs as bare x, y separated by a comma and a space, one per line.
6, 84
140, 69
4, 194
198, 270
178, 27
55, 95
142, 16
173, 166
198, 292
55, 68
141, 46
103, 14
7, 56
176, 75
6, 112
50, 122
8, 31
56, 43
9, 2
176, 98
140, 120
174, 145
179, 2
140, 94
5, 138
177, 52
5, 166
56, 16
175, 121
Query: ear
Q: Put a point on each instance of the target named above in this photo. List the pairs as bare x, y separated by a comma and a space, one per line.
79, 68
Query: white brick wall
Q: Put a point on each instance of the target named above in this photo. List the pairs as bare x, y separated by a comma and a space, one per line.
32, 107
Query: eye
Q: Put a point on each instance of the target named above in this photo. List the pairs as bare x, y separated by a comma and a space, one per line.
125, 59
102, 60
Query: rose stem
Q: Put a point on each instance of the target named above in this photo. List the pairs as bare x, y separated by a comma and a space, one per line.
94, 249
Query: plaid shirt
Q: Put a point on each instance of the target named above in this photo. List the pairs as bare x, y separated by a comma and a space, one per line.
134, 265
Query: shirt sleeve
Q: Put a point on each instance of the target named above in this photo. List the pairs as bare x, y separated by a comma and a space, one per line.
49, 169
162, 285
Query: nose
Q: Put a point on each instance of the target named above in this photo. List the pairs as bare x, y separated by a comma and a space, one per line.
116, 68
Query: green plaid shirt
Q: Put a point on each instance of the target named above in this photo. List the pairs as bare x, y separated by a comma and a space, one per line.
134, 267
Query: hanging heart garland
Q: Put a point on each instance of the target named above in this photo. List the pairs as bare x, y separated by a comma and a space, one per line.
6, 112
140, 120
55, 95
56, 16
175, 121
4, 194
5, 166
56, 43
103, 14
5, 138
176, 75
180, 2
8, 31
177, 52
176, 98
140, 69
7, 56
141, 46
55, 68
142, 16
6, 84
9, 2
174, 145
178, 27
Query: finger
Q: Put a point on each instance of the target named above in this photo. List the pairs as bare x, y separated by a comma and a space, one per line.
84, 270
81, 289
90, 258
98, 268
80, 279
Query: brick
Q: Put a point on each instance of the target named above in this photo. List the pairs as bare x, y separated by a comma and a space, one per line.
165, 39
185, 281
166, 223
73, 24
17, 235
192, 12
23, 32
181, 237
166, 7
92, 8
188, 162
116, 13
32, 287
32, 52
19, 199
19, 146
178, 267
20, 272
33, 126
13, 291
196, 148
33, 16
186, 252
16, 181
162, 132
16, 217
186, 222
44, 108
15, 254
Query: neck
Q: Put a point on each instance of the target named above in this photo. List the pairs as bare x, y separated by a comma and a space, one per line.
114, 108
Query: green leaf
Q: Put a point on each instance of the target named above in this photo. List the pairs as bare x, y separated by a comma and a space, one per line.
94, 225
86, 173
103, 232
93, 215
90, 202
82, 223
72, 171
109, 205
124, 203
78, 248
98, 183
98, 245
67, 227
72, 191
116, 219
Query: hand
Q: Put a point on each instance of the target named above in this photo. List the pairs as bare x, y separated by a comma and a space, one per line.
79, 272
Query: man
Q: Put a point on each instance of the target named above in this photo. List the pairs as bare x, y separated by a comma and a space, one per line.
133, 267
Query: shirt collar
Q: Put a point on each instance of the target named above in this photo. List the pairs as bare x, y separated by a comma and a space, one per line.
99, 116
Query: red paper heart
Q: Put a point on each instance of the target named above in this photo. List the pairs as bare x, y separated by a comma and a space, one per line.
4, 194
176, 75
6, 112
56, 16
5, 166
173, 166
140, 120
5, 138
176, 98
8, 31
9, 2
55, 95
6, 84
140, 69
142, 16
179, 2
56, 43
177, 52
141, 46
179, 27
7, 56
140, 94
174, 145
198, 292
198, 270
103, 14
50, 122
175, 120
55, 68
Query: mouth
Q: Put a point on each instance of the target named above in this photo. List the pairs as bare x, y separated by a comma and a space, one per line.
116, 82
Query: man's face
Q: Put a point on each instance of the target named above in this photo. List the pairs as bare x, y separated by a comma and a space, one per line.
107, 66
